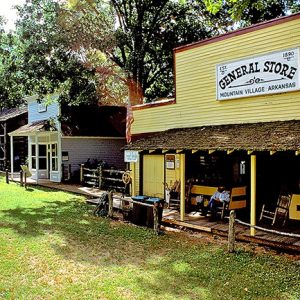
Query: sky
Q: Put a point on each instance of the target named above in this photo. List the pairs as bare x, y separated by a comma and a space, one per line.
8, 12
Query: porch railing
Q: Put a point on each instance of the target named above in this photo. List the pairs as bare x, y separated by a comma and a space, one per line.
232, 234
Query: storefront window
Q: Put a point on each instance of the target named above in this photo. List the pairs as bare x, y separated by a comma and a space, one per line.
54, 155
33, 163
33, 157
33, 150
43, 157
42, 163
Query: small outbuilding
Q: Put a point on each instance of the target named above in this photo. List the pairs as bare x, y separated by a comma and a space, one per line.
61, 136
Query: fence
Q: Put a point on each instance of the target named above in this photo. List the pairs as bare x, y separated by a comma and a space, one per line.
107, 179
231, 231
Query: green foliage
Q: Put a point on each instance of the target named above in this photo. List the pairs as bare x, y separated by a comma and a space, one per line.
141, 38
248, 12
36, 60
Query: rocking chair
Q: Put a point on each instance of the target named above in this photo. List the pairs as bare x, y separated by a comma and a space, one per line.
281, 210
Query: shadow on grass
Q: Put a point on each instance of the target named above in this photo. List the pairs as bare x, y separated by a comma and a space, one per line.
104, 243
174, 267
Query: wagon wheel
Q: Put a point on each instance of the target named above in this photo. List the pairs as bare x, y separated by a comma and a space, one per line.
126, 178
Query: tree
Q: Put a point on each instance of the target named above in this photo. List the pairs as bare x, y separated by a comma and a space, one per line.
10, 92
247, 12
36, 60
138, 36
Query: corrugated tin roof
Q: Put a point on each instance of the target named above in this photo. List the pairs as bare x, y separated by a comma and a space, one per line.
264, 136
10, 113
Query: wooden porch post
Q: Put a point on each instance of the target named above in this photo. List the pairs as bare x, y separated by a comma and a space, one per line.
133, 179
37, 158
11, 157
5, 145
253, 194
182, 186
59, 155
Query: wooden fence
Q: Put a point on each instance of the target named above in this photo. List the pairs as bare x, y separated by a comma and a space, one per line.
108, 179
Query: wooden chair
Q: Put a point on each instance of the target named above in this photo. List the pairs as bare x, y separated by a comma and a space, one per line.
174, 200
281, 210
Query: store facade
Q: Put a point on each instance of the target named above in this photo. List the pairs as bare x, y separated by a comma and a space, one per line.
235, 119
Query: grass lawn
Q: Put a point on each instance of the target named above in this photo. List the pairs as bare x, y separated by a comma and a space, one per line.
51, 247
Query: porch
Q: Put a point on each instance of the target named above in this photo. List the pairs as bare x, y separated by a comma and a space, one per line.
220, 227
261, 157
66, 187
44, 150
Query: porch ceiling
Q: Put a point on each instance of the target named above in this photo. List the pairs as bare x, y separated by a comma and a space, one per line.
264, 136
33, 128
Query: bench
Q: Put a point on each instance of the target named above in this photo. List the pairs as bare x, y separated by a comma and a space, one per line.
294, 211
200, 190
238, 200
237, 197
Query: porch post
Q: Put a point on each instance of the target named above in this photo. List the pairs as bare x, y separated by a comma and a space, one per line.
133, 178
37, 160
253, 194
59, 155
12, 157
182, 186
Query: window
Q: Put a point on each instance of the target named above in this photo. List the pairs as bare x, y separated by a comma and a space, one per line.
54, 157
33, 157
42, 157
42, 107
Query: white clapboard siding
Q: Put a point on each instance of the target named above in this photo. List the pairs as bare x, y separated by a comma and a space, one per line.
80, 149
34, 115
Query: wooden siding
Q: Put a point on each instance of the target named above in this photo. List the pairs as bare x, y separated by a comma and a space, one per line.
170, 175
173, 174
153, 175
80, 149
136, 182
34, 115
196, 103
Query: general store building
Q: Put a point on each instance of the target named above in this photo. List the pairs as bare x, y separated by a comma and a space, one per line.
235, 119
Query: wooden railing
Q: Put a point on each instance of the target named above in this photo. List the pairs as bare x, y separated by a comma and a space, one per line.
108, 179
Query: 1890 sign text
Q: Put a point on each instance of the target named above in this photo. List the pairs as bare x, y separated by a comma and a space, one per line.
272, 73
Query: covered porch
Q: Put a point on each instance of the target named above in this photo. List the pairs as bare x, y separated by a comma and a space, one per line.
196, 222
261, 156
44, 151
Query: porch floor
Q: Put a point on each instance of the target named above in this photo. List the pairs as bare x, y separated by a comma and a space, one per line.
201, 223
68, 187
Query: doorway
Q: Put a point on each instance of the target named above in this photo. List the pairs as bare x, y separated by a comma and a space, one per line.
153, 175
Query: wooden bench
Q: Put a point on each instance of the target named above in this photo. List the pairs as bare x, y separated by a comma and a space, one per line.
202, 190
237, 197
294, 210
238, 200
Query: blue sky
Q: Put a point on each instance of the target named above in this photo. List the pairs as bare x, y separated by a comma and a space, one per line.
8, 12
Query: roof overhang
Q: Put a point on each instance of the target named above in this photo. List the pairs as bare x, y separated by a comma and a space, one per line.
11, 113
264, 136
35, 128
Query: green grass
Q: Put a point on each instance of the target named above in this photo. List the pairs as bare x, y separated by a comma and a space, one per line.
51, 247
